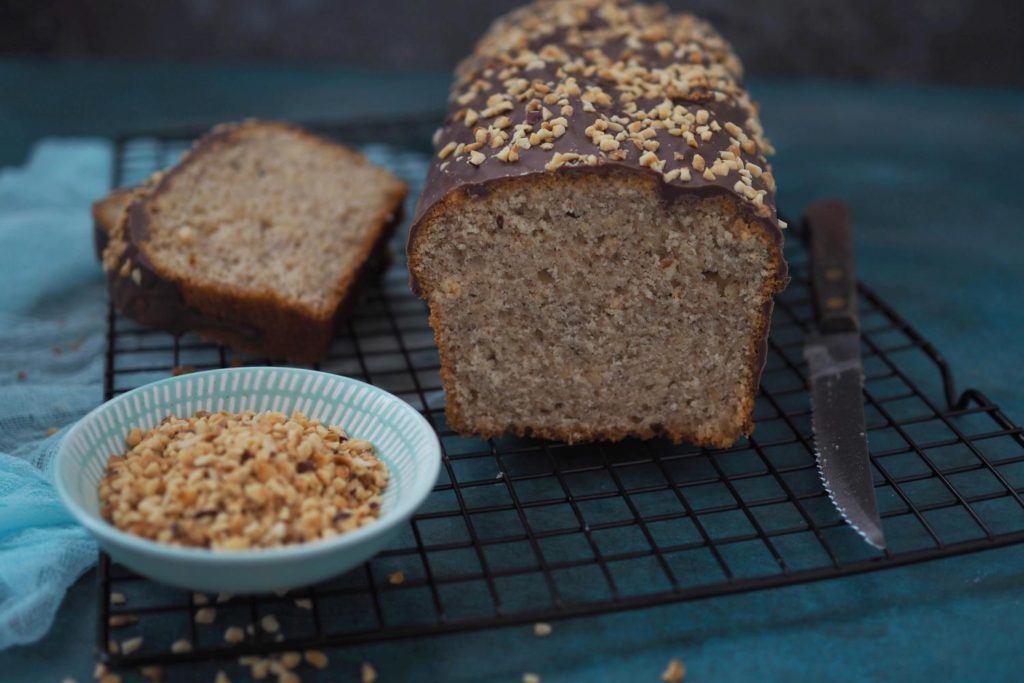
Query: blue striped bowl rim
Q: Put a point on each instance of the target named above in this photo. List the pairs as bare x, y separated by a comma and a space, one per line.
402, 438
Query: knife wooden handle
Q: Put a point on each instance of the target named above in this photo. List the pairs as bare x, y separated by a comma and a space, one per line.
832, 267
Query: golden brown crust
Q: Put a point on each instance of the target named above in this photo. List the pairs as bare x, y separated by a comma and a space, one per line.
265, 322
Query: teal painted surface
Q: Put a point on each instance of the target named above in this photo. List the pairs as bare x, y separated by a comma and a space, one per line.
938, 205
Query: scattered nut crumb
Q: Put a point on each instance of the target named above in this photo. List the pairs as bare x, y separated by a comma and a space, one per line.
396, 578
260, 669
206, 615
153, 673
368, 673
198, 598
221, 678
304, 603
316, 658
675, 672
181, 646
291, 659
270, 624
131, 645
121, 620
541, 629
117, 599
50, 431
234, 635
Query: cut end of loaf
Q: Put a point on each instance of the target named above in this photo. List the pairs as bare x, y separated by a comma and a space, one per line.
596, 307
269, 210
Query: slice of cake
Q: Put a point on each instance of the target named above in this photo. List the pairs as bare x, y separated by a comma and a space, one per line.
257, 239
597, 238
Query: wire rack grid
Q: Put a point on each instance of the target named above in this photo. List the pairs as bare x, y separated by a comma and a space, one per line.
520, 530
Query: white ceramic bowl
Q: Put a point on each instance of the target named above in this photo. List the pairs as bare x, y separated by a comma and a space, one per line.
401, 436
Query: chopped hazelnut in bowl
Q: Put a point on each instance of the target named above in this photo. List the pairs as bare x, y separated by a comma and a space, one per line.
247, 479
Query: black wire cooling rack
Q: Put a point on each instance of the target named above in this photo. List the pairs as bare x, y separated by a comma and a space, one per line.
520, 530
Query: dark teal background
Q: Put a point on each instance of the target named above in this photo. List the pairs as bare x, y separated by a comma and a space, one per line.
937, 188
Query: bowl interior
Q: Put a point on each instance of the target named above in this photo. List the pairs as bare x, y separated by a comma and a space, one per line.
400, 435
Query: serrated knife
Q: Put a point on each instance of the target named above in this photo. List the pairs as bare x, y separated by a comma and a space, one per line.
836, 374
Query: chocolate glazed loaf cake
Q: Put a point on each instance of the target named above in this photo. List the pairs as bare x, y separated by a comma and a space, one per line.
598, 240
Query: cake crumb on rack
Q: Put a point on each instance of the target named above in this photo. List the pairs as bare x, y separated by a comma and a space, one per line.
316, 658
675, 672
181, 646
270, 624
131, 645
206, 615
234, 635
122, 620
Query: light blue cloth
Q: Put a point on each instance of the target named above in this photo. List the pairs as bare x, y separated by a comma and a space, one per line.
52, 315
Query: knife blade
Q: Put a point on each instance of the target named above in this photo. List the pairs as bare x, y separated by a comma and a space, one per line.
836, 373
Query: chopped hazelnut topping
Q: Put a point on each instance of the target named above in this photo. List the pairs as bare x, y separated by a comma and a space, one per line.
301, 481
446, 150
635, 76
